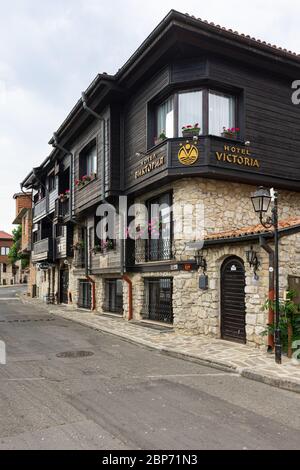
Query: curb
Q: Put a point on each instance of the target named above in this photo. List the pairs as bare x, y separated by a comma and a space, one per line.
283, 384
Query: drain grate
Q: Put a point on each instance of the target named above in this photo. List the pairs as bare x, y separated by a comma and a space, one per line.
75, 354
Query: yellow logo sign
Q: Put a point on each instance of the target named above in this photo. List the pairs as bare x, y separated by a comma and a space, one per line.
188, 154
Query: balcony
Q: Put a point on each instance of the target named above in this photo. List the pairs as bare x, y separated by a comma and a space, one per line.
42, 250
62, 209
146, 251
39, 210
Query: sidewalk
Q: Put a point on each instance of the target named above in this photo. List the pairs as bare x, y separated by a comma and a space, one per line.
248, 362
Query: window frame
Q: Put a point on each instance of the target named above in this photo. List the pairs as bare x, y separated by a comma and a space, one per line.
206, 90
84, 154
52, 183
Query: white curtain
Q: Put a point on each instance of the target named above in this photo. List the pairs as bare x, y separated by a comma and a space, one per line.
165, 119
190, 110
221, 112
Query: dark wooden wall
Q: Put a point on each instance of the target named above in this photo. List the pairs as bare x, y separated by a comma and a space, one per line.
266, 116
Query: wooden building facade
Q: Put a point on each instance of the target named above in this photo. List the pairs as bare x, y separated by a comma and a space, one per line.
199, 115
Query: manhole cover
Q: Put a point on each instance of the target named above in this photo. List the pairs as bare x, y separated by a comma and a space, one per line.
75, 354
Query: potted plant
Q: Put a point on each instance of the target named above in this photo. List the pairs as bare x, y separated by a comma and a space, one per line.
230, 133
158, 140
97, 249
78, 246
86, 179
191, 131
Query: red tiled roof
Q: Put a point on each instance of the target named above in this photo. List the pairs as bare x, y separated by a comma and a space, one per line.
252, 230
5, 236
255, 41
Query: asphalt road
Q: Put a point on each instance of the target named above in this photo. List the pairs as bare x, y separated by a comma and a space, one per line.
124, 396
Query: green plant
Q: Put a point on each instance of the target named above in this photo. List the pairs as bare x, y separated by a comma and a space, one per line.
289, 322
15, 253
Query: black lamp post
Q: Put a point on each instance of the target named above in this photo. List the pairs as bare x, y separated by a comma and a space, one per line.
261, 201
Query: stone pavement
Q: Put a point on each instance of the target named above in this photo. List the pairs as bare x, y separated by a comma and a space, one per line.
247, 361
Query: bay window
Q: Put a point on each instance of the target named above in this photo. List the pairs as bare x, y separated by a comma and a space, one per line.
211, 110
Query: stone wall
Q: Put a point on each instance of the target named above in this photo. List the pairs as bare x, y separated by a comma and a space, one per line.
226, 206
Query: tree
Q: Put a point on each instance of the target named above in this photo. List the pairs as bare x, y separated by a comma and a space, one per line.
15, 251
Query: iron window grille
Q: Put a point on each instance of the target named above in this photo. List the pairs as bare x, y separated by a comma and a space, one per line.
114, 296
158, 304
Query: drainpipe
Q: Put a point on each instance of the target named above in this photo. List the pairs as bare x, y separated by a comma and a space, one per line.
130, 309
100, 119
271, 254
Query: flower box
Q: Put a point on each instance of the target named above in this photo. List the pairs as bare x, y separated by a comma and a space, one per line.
159, 141
230, 133
191, 131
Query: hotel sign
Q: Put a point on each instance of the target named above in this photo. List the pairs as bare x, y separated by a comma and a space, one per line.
235, 155
149, 164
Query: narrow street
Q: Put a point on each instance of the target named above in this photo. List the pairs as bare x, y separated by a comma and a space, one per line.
122, 396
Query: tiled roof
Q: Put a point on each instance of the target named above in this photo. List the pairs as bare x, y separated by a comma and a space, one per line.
253, 230
255, 41
5, 236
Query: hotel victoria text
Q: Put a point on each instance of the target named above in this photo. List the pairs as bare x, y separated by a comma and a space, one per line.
198, 117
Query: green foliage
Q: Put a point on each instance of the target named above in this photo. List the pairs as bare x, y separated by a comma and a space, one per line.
289, 316
15, 253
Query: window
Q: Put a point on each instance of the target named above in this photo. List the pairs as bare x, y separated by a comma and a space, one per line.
159, 245
190, 110
60, 230
221, 112
4, 267
158, 299
52, 183
165, 118
85, 295
114, 296
211, 110
88, 160
4, 251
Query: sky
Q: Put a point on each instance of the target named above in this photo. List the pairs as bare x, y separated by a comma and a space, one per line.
51, 50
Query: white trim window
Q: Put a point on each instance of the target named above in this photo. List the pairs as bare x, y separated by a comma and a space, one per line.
221, 112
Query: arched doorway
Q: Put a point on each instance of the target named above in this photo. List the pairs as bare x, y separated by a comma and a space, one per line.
233, 306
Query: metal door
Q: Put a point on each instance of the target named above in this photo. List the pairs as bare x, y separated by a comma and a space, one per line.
64, 286
233, 307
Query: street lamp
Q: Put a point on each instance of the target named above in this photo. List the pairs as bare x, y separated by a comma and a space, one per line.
261, 201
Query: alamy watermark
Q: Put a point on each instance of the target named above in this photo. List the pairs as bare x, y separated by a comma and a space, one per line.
140, 221
296, 93
2, 353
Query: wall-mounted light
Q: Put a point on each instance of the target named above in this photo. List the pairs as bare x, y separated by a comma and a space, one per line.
140, 154
253, 260
201, 261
